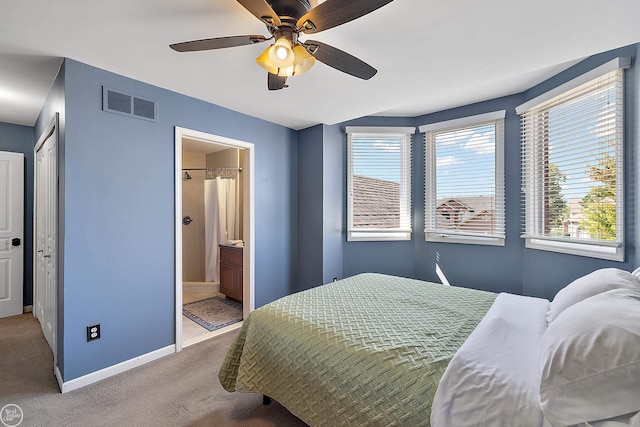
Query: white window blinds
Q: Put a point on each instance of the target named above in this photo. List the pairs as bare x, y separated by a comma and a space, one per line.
572, 169
464, 180
379, 183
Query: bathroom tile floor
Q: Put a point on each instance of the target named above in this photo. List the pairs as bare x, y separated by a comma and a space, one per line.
191, 329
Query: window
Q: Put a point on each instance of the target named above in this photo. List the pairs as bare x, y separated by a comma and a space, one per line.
572, 166
379, 183
464, 180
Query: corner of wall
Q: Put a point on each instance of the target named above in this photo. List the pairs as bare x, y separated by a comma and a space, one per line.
633, 81
333, 170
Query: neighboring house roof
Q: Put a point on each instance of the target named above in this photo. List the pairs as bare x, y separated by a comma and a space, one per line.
575, 211
472, 213
376, 203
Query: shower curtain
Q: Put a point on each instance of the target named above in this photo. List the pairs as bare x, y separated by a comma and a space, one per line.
220, 222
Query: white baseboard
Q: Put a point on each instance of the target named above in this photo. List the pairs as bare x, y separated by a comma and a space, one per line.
27, 309
59, 378
110, 371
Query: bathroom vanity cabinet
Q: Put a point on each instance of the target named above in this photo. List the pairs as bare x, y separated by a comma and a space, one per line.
231, 271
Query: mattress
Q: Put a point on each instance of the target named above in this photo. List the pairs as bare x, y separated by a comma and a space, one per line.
366, 350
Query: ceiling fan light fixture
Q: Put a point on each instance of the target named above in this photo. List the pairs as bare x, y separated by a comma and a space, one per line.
303, 60
281, 53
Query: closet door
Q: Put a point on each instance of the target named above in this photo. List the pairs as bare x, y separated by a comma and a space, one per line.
46, 231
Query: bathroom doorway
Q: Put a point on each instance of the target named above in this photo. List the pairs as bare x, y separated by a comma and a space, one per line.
214, 281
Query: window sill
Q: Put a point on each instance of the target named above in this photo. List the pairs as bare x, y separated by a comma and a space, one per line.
611, 253
465, 240
372, 236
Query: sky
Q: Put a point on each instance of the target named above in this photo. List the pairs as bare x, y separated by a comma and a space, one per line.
465, 161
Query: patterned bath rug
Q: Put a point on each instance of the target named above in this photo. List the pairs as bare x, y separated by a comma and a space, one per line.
213, 313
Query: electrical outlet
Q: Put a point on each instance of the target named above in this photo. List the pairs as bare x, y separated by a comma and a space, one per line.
93, 332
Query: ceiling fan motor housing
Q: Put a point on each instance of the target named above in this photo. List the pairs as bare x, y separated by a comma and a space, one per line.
290, 11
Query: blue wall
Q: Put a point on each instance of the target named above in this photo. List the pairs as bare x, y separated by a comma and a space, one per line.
320, 189
333, 191
310, 211
118, 214
20, 139
632, 133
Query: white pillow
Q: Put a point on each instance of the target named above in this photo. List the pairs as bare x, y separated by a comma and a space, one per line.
587, 286
591, 360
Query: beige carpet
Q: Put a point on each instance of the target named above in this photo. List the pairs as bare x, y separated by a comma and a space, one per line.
177, 390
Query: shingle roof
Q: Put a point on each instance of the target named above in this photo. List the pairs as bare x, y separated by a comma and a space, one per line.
472, 213
376, 203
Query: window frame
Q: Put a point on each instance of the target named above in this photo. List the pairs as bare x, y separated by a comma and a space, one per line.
392, 234
613, 250
432, 234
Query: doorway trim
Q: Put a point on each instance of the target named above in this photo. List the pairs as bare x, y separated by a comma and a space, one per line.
248, 219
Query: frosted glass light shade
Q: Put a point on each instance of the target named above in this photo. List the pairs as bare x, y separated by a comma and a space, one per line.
285, 72
263, 61
303, 60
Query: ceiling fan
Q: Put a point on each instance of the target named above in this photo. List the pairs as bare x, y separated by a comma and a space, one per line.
285, 20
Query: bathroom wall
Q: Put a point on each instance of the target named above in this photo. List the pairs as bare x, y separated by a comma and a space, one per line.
193, 206
230, 158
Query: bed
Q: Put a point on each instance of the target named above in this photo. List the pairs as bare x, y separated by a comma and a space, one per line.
382, 350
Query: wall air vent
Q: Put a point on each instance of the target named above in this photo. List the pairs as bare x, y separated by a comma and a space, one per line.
129, 105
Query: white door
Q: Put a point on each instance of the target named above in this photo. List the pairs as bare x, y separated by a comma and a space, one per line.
11, 232
46, 230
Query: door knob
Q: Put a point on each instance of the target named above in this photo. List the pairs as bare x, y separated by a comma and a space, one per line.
187, 220
15, 241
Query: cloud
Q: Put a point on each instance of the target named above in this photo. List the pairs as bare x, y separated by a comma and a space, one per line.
387, 146
451, 138
448, 161
606, 126
481, 143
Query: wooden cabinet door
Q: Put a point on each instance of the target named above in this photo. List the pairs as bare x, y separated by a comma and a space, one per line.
231, 272
227, 279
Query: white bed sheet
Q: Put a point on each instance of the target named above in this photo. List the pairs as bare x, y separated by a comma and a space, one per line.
494, 378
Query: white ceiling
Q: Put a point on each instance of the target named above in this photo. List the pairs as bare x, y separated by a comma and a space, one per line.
430, 54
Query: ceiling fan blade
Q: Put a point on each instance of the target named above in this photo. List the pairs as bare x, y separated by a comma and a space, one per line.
339, 59
332, 13
276, 82
261, 10
217, 43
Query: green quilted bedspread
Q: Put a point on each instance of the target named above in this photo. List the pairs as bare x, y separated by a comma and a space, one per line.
363, 351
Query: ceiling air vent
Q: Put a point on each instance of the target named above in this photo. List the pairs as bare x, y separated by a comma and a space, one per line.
129, 105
